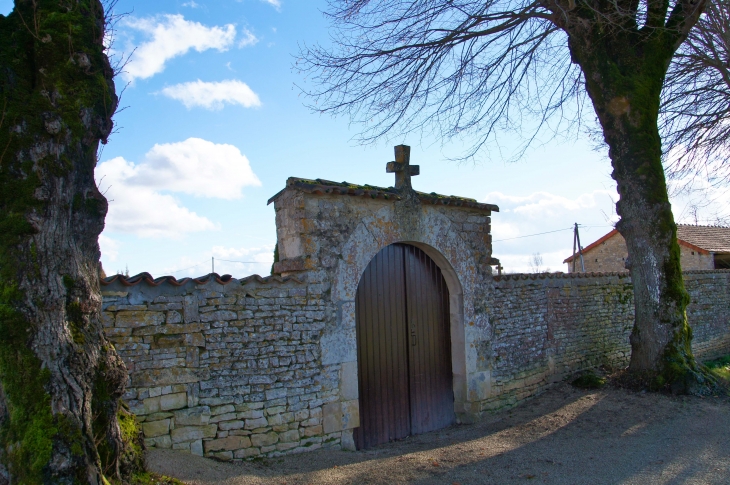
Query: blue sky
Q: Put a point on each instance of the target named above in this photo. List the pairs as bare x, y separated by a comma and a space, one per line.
213, 124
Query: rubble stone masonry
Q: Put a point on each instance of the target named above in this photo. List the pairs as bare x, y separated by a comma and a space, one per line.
235, 370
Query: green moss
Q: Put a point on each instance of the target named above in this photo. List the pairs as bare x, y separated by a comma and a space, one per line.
720, 368
75, 318
39, 84
30, 427
589, 380
146, 478
68, 282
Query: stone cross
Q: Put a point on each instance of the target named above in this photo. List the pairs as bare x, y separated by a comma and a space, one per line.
402, 167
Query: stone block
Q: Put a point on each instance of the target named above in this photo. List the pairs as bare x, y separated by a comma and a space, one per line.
311, 431
151, 405
225, 409
338, 345
169, 341
266, 439
256, 423
158, 442
227, 444
174, 317
196, 447
139, 318
253, 414
173, 375
223, 417
192, 433
246, 453
195, 339
332, 417
197, 416
277, 393
348, 381
350, 414
222, 455
190, 309
229, 425
289, 436
347, 441
156, 416
173, 401
301, 415
286, 446
153, 429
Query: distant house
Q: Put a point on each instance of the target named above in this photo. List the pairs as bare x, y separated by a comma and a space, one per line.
702, 247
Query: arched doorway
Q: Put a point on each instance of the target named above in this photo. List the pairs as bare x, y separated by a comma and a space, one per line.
403, 347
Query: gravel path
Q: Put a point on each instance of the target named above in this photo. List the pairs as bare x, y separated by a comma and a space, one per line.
565, 436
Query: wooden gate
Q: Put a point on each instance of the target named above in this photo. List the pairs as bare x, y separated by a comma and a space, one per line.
403, 347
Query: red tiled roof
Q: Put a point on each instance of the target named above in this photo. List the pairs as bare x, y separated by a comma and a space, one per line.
223, 280
703, 239
321, 187
715, 239
569, 259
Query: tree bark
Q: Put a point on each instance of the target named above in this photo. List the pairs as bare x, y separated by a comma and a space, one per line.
624, 73
60, 378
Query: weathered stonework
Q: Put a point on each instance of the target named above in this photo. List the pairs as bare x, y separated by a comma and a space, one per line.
226, 370
234, 369
549, 326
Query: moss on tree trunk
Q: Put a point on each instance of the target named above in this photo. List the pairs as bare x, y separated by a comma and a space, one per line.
60, 379
624, 72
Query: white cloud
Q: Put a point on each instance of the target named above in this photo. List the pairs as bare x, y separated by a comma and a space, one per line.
109, 247
274, 3
544, 212
194, 166
142, 211
191, 4
248, 39
212, 95
170, 36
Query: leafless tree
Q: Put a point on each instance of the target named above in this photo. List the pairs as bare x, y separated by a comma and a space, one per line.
477, 67
536, 263
695, 112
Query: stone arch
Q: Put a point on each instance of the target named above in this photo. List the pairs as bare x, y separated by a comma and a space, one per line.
438, 239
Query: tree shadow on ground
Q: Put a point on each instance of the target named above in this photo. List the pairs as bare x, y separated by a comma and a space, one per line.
564, 436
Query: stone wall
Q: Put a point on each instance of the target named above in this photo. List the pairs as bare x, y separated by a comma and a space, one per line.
549, 326
226, 368
236, 368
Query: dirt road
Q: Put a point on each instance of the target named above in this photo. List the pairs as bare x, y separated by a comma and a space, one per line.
565, 436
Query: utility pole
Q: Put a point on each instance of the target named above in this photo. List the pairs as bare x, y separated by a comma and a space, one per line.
576, 242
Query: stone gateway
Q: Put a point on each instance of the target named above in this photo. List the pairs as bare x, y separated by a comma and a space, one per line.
383, 319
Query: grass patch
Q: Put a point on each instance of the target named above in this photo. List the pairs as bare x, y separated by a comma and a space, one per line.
146, 478
720, 368
589, 380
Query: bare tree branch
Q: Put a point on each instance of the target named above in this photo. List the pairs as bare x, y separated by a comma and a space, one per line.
695, 116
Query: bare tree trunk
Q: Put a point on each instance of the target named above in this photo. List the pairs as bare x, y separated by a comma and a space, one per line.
60, 377
624, 81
